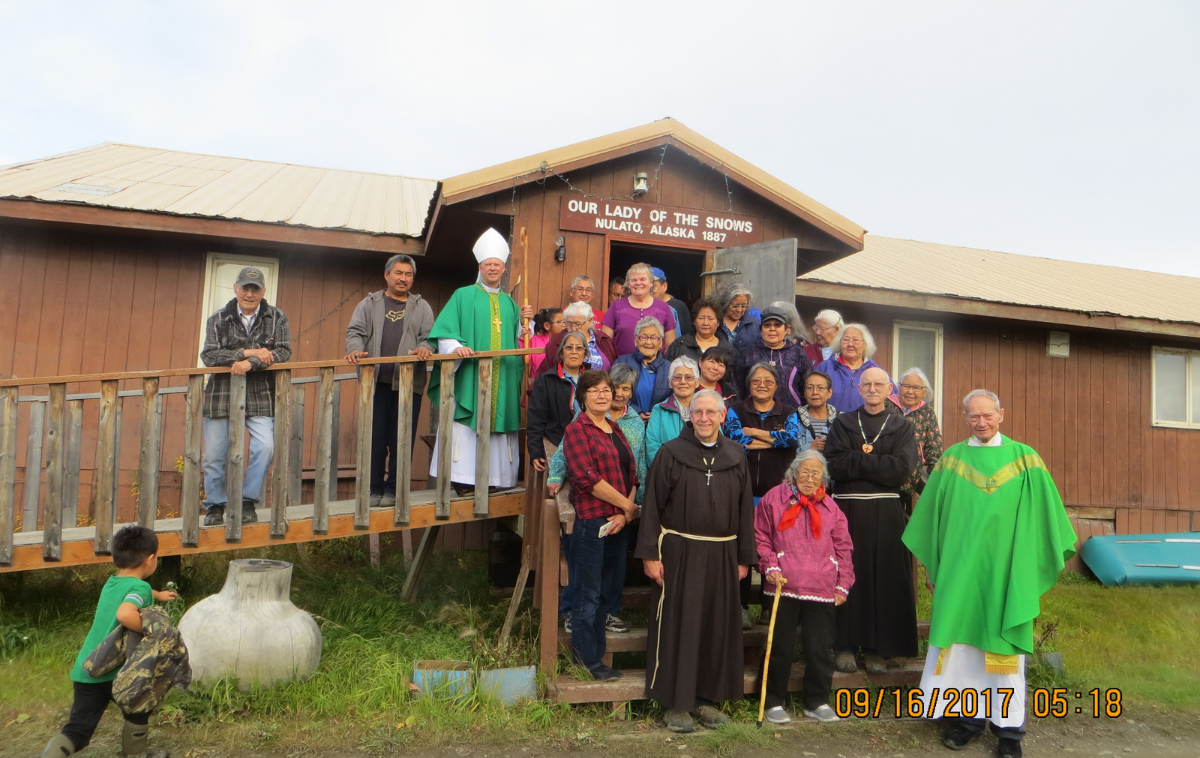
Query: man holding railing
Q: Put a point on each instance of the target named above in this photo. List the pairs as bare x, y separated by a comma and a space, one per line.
477, 318
247, 335
392, 321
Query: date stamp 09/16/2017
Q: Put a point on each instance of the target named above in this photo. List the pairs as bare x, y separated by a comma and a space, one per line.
968, 703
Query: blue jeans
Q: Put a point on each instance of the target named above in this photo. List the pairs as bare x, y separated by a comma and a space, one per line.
616, 582
216, 447
592, 561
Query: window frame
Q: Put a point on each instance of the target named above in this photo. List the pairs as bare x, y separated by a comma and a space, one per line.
938, 358
1188, 379
270, 267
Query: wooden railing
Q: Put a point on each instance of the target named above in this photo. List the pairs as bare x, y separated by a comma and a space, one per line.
58, 417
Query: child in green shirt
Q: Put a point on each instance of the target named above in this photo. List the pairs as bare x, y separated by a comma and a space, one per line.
135, 553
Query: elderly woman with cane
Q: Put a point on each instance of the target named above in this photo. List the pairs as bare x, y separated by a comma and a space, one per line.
804, 543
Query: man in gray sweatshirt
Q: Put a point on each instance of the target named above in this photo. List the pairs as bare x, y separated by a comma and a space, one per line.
392, 321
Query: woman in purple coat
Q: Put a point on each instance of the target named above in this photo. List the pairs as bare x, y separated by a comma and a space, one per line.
803, 541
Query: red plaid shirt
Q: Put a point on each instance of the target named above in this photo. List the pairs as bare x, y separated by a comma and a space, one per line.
591, 457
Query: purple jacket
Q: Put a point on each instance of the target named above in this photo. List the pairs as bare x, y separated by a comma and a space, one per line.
790, 361
815, 569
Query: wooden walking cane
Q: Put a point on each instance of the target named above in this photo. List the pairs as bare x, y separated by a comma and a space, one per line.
762, 699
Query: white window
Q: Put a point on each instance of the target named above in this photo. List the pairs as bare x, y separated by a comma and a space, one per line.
1176, 381
919, 344
219, 276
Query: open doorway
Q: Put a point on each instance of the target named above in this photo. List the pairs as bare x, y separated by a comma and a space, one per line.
682, 267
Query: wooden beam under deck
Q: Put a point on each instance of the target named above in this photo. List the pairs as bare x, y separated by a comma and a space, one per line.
78, 542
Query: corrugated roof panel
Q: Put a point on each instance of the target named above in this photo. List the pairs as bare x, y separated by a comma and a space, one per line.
933, 269
209, 185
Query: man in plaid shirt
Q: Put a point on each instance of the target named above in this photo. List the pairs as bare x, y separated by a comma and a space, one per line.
247, 334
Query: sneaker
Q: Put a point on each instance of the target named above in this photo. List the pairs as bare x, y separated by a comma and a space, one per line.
710, 716
615, 625
875, 664
388, 500
1009, 748
822, 713
777, 715
603, 673
680, 722
249, 514
957, 737
746, 619
215, 515
375, 501
845, 663
567, 623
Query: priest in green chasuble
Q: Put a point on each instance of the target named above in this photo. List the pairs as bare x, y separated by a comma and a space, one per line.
482, 317
992, 533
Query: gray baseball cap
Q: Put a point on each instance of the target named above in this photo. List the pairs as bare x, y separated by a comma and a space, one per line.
251, 275
771, 313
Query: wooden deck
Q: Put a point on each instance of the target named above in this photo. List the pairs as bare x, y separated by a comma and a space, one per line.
78, 543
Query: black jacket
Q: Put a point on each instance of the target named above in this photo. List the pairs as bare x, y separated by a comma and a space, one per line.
224, 340
767, 467
550, 410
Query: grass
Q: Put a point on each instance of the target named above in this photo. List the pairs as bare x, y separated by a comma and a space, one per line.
1140, 639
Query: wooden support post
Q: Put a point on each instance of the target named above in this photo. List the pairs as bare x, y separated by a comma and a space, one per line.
281, 486
71, 462
324, 432
56, 428
148, 455
441, 508
8, 471
33, 466
408, 592
483, 436
335, 437
403, 446
548, 582
235, 458
296, 446
362, 482
104, 485
193, 462
116, 462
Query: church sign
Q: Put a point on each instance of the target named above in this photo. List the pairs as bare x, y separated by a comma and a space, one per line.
658, 223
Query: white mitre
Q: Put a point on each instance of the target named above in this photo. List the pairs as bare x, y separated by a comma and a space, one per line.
491, 245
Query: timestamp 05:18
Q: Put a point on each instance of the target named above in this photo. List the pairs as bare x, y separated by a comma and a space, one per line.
968, 703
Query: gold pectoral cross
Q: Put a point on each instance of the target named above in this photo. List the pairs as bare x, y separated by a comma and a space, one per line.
496, 322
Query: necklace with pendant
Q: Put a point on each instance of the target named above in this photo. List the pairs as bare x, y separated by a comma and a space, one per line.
869, 446
708, 474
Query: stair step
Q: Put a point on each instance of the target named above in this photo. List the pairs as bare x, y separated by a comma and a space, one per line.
635, 639
632, 684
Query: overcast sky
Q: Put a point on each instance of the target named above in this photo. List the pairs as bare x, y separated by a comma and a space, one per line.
1065, 129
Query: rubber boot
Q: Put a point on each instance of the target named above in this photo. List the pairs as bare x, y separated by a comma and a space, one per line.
59, 746
135, 740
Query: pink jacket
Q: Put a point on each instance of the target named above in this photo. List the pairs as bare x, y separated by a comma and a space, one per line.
815, 569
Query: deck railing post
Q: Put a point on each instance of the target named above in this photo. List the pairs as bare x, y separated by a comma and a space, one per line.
441, 508
324, 432
8, 471
235, 458
281, 481
71, 462
403, 446
148, 455
548, 588
104, 487
33, 466
366, 412
483, 436
296, 445
189, 501
56, 427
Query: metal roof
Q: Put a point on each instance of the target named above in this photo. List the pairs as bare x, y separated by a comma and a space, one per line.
131, 177
666, 130
985, 275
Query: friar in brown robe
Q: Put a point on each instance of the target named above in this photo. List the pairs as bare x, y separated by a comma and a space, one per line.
698, 521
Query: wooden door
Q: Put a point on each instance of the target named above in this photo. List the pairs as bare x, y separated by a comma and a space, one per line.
768, 269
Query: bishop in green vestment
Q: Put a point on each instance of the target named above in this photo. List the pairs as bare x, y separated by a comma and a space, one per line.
992, 533
482, 317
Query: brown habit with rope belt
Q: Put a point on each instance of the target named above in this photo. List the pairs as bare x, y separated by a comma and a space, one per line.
695, 649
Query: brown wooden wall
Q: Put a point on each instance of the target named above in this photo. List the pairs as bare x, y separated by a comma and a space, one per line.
76, 301
681, 181
1087, 415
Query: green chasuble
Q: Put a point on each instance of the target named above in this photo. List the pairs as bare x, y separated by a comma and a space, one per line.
482, 321
993, 534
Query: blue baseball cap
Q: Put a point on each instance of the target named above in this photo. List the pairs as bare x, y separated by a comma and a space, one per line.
658, 274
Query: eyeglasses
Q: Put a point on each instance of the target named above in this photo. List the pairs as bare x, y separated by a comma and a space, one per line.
649, 338
576, 325
913, 387
873, 385
815, 388
704, 413
803, 476
852, 341
762, 382
558, 322
682, 378
598, 392
574, 349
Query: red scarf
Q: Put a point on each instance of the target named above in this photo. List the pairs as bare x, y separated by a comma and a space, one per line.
798, 503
